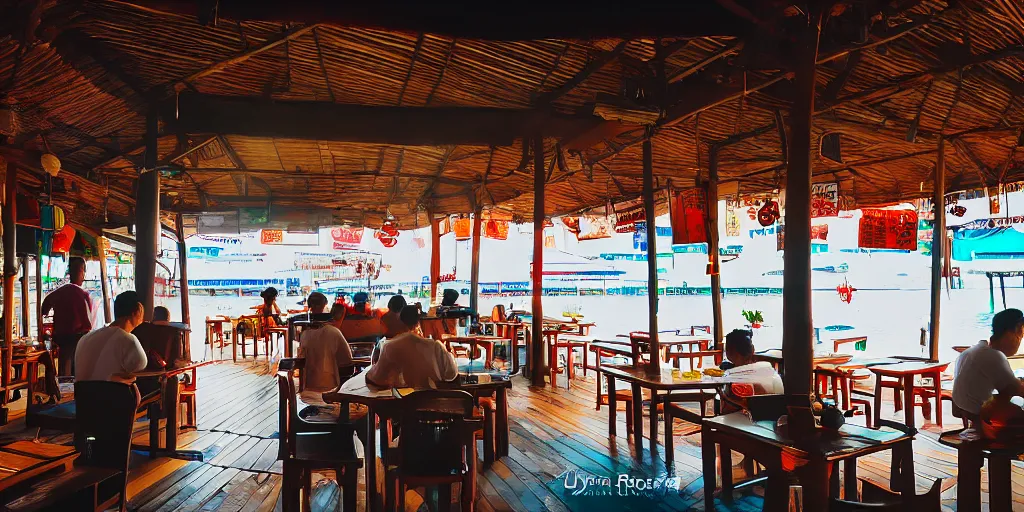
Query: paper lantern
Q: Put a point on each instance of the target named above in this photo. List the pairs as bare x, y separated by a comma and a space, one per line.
50, 163
768, 214
462, 227
62, 239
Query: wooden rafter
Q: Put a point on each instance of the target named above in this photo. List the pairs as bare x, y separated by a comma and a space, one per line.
221, 65
680, 74
412, 64
595, 65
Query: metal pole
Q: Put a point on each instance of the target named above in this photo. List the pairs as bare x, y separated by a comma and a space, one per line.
938, 248
652, 255
537, 343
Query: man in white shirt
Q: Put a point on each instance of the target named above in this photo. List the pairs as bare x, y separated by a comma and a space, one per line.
111, 352
324, 348
748, 377
408, 360
983, 368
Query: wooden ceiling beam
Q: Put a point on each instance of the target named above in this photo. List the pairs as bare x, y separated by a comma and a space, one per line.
680, 74
270, 44
595, 65
410, 126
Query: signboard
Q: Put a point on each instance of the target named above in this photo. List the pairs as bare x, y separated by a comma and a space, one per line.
888, 229
995, 222
347, 236
271, 237
280, 237
825, 199
689, 207
626, 220
594, 228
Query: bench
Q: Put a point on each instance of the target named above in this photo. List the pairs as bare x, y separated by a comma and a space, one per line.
971, 455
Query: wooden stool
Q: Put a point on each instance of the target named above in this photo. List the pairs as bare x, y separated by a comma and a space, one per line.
971, 457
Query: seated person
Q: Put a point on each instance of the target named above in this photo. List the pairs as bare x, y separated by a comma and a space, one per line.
338, 313
324, 348
111, 352
161, 316
162, 342
983, 368
752, 377
408, 360
392, 319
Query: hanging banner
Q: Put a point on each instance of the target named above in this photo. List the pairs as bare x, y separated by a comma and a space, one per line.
825, 200
994, 206
594, 228
347, 236
444, 225
626, 220
688, 213
819, 232
640, 236
271, 236
462, 227
732, 222
496, 229
888, 229
995, 222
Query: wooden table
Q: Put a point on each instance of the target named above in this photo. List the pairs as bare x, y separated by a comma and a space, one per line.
24, 460
906, 371
640, 378
775, 357
971, 455
171, 399
384, 404
812, 458
486, 342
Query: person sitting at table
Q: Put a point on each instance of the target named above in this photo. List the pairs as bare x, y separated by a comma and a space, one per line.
983, 368
161, 316
72, 310
392, 319
338, 313
324, 348
269, 312
408, 360
752, 377
106, 352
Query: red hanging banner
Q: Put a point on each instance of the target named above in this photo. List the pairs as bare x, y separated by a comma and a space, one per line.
625, 221
496, 229
888, 229
462, 226
689, 208
349, 236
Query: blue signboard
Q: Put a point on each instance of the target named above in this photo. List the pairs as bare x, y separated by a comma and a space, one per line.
237, 283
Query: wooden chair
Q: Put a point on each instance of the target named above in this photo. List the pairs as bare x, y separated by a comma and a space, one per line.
555, 342
436, 447
696, 357
640, 344
878, 499
621, 395
304, 452
672, 410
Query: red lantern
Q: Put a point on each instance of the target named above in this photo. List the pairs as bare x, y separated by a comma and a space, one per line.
768, 214
845, 292
62, 239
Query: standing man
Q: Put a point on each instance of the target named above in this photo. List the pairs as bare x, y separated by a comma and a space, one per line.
71, 308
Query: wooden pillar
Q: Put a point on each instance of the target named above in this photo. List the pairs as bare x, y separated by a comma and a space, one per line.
537, 343
474, 272
186, 317
938, 248
147, 219
435, 257
652, 255
9, 215
714, 258
25, 322
39, 297
105, 286
797, 323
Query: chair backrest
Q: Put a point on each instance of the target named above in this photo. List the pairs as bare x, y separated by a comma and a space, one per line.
640, 343
694, 329
434, 431
883, 500
162, 341
105, 417
287, 412
355, 328
498, 313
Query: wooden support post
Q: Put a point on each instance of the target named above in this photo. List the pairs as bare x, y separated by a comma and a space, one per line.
25, 322
714, 259
652, 257
474, 272
797, 323
938, 248
147, 219
537, 343
991, 288
435, 257
105, 287
9, 215
186, 317
39, 297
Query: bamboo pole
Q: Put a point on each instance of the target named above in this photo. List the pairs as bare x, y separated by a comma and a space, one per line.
105, 287
186, 317
938, 249
652, 256
9, 215
714, 259
797, 334
537, 342
435, 257
147, 219
474, 273
25, 321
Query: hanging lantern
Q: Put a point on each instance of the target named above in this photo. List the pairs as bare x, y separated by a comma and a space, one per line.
768, 214
50, 163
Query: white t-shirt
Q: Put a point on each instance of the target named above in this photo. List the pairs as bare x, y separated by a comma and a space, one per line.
761, 375
325, 349
104, 352
409, 360
980, 370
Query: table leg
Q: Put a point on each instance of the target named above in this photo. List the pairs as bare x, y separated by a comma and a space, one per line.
908, 399
904, 453
814, 479
172, 390
833, 482
553, 363
652, 435
612, 405
234, 345
937, 382
708, 462
586, 347
878, 399
725, 463
968, 484
370, 454
638, 421
501, 414
850, 479
999, 494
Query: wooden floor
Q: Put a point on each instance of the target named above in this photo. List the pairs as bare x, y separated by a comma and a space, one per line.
552, 432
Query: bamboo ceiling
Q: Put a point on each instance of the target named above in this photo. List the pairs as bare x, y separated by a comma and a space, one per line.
81, 81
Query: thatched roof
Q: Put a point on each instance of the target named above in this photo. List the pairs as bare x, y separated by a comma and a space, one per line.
371, 121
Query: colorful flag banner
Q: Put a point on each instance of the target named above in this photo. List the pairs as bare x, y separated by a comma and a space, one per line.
888, 229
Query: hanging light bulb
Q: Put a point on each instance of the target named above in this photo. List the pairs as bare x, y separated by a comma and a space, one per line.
50, 163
